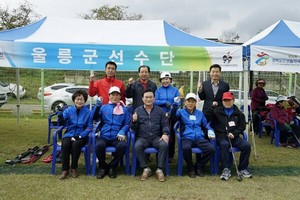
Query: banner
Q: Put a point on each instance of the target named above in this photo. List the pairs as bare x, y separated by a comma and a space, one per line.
267, 58
128, 58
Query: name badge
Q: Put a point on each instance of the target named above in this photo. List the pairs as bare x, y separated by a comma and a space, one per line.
231, 123
192, 117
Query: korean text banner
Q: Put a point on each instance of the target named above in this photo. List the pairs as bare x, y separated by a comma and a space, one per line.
267, 58
127, 57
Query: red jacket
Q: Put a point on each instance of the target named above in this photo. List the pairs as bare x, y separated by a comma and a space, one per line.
102, 86
280, 115
258, 98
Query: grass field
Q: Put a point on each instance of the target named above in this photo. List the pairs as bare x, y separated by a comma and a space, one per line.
275, 174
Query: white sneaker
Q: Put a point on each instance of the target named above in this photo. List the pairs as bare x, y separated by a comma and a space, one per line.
245, 173
226, 174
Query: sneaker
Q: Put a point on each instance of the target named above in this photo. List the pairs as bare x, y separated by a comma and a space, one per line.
226, 174
160, 175
63, 175
245, 173
101, 174
74, 173
192, 174
112, 173
284, 144
146, 173
292, 145
200, 172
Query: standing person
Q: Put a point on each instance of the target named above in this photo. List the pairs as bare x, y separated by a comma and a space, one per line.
78, 120
191, 122
164, 98
229, 123
136, 89
258, 102
101, 87
181, 92
151, 129
284, 123
211, 91
115, 121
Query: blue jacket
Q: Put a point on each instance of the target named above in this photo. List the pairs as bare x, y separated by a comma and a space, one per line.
191, 124
111, 124
78, 122
164, 97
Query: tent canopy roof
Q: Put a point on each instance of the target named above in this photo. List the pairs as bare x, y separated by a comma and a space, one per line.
283, 33
80, 31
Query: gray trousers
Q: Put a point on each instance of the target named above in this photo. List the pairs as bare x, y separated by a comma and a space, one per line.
141, 144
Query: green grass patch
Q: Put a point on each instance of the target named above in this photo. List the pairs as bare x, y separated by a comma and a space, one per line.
275, 174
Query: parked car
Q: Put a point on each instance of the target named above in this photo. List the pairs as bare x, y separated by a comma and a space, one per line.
271, 94
3, 98
11, 89
49, 89
63, 97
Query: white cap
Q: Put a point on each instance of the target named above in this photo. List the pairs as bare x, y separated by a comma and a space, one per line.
191, 95
114, 89
281, 98
165, 75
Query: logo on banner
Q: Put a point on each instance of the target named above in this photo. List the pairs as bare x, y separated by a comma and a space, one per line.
227, 58
262, 59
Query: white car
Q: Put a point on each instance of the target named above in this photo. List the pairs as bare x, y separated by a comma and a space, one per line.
3, 98
49, 89
240, 104
11, 89
63, 97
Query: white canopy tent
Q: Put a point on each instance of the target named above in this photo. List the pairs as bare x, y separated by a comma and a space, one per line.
77, 44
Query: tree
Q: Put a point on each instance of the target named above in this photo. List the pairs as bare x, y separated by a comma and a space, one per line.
111, 13
230, 37
18, 17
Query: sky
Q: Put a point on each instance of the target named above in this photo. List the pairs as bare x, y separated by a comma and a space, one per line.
203, 18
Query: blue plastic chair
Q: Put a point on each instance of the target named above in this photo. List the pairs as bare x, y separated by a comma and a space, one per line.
217, 154
147, 151
108, 149
52, 124
57, 148
194, 150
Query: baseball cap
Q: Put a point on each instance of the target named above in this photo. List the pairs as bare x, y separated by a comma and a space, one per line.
190, 95
228, 95
165, 75
281, 98
114, 89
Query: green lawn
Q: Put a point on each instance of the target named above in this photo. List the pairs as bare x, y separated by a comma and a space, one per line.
275, 174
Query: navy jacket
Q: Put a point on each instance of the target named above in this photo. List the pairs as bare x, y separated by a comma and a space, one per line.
151, 125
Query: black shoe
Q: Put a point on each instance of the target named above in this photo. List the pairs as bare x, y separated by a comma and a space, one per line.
192, 174
200, 172
112, 173
101, 174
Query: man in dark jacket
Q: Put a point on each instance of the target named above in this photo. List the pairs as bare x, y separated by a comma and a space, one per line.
211, 91
151, 129
229, 123
136, 89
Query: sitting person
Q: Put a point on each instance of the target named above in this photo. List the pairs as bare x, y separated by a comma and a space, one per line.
152, 130
78, 120
114, 123
285, 123
229, 123
191, 122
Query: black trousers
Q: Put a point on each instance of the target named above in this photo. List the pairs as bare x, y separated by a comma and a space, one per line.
72, 148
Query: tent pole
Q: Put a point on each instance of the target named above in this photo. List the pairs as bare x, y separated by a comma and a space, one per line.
191, 81
18, 95
290, 83
295, 84
42, 92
